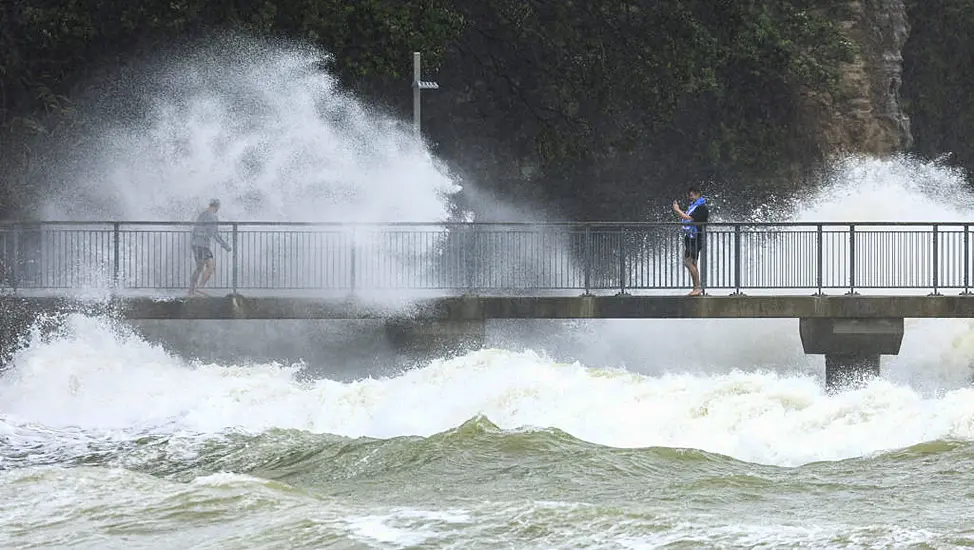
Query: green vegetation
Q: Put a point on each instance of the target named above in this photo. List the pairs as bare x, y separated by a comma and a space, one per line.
626, 99
595, 107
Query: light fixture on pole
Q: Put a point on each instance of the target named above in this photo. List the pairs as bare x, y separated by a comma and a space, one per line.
419, 85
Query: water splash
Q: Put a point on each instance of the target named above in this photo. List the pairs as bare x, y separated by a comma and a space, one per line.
895, 189
265, 128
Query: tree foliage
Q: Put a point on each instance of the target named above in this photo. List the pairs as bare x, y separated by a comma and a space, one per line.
614, 99
595, 106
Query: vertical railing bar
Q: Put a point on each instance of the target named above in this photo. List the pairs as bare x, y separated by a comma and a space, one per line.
233, 257
322, 246
737, 258
353, 260
622, 260
116, 230
284, 252
587, 259
57, 241
852, 258
820, 258
910, 269
936, 257
967, 260
702, 268
466, 246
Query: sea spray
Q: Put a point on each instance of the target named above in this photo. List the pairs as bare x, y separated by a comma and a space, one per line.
264, 127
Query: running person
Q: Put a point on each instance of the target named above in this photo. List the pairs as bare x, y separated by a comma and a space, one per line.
693, 235
204, 230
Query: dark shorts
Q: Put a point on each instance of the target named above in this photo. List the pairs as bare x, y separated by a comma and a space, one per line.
202, 253
692, 247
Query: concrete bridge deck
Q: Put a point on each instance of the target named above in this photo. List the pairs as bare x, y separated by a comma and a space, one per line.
479, 308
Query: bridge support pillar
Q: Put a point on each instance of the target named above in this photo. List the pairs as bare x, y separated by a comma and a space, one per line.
852, 347
426, 340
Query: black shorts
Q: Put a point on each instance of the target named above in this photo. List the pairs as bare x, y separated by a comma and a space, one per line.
202, 253
692, 247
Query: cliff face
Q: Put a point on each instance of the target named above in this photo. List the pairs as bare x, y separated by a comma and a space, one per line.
866, 115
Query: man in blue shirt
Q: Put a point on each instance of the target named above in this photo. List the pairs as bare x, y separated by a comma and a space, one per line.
693, 234
204, 230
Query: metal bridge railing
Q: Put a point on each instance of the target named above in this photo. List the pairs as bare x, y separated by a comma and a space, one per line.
488, 257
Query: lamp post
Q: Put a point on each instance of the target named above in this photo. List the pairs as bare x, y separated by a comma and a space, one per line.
419, 85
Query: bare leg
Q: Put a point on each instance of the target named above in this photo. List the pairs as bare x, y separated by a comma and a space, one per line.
210, 268
694, 276
195, 277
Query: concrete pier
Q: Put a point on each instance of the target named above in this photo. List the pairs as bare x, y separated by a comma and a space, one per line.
850, 370
852, 347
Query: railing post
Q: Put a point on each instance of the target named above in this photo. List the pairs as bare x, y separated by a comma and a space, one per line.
233, 258
967, 261
469, 255
701, 228
737, 260
936, 260
116, 262
352, 260
820, 258
587, 253
852, 260
15, 269
622, 261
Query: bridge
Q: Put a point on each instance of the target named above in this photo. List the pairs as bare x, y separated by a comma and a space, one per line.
851, 285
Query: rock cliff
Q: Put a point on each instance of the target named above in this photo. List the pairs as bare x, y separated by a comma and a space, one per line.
866, 115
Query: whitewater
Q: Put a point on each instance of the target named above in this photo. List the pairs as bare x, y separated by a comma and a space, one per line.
571, 435
102, 377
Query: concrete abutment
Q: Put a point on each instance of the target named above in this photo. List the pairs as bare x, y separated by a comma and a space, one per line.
852, 347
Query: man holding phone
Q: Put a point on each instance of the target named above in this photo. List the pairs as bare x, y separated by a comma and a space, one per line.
693, 234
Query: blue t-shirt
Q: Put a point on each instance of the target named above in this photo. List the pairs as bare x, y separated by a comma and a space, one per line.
698, 214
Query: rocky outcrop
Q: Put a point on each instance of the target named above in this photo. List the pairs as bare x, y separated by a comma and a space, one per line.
866, 114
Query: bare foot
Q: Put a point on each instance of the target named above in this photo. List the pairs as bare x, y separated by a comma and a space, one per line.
696, 292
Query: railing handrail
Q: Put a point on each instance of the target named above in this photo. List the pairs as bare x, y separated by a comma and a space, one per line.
494, 255
450, 224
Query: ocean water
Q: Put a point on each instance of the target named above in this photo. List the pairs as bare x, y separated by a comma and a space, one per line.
571, 435
107, 441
